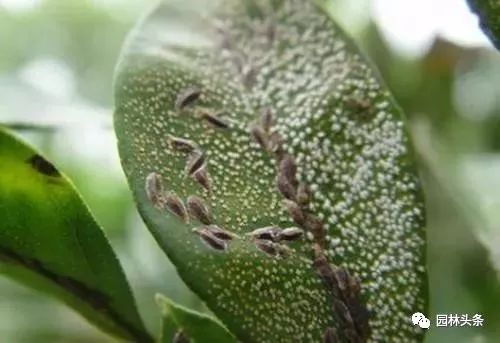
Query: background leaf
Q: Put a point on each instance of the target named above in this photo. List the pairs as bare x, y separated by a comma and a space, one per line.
488, 12
197, 326
49, 241
337, 120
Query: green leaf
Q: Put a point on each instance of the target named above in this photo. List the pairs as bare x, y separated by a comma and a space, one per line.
339, 124
197, 326
488, 12
50, 241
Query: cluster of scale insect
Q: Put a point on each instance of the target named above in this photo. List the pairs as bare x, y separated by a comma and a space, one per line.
267, 239
271, 241
345, 290
360, 158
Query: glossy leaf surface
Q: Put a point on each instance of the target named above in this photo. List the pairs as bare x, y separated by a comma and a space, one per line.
49, 241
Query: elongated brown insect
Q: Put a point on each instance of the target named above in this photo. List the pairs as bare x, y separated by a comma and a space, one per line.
198, 209
259, 136
249, 75
202, 177
350, 287
288, 169
275, 145
211, 240
285, 187
43, 166
345, 316
176, 206
290, 234
219, 232
316, 227
324, 270
270, 31
266, 233
343, 278
330, 336
268, 247
303, 195
196, 160
187, 97
295, 211
180, 144
154, 188
267, 120
283, 250
214, 119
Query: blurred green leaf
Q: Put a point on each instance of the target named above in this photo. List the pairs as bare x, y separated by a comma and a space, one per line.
338, 122
197, 326
49, 241
488, 12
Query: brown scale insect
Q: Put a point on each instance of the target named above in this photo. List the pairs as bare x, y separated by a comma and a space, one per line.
347, 300
249, 76
259, 136
219, 232
213, 119
154, 189
283, 250
315, 226
187, 97
268, 247
198, 209
275, 145
196, 161
270, 32
181, 145
350, 287
303, 195
291, 234
201, 176
238, 61
175, 205
343, 278
288, 169
211, 240
362, 107
295, 211
269, 233
267, 120
285, 187
344, 314
330, 336
223, 39
325, 272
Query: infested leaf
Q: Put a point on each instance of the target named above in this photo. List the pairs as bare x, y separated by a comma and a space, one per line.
49, 241
308, 121
197, 327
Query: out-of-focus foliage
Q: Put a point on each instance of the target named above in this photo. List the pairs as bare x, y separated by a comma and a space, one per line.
488, 12
451, 91
80, 35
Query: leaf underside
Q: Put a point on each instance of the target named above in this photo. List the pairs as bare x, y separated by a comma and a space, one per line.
488, 12
197, 326
338, 122
50, 242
